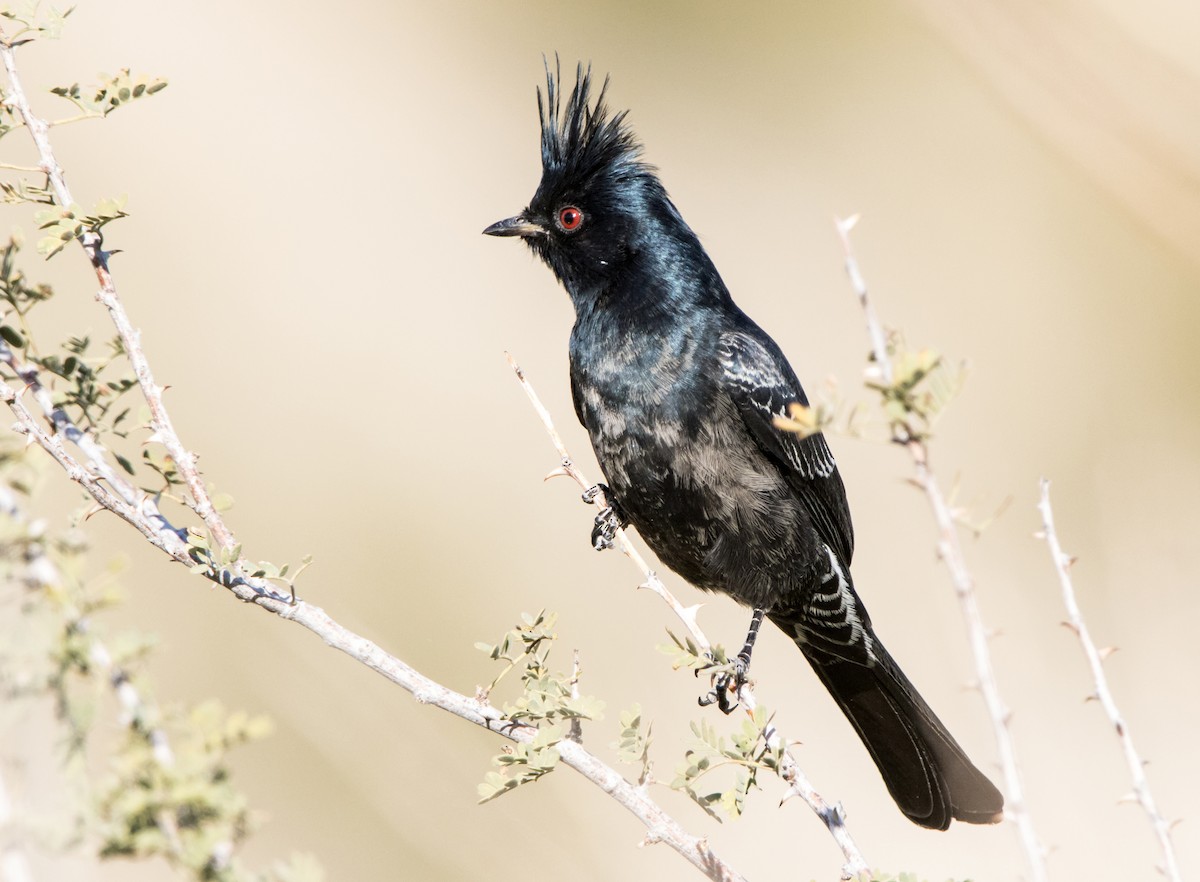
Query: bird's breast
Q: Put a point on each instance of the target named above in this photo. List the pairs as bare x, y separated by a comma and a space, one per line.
686, 471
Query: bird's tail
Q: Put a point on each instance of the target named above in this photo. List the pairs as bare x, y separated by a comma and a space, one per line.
928, 774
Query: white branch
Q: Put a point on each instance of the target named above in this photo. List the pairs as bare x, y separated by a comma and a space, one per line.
951, 552
97, 479
1095, 659
92, 243
42, 573
798, 784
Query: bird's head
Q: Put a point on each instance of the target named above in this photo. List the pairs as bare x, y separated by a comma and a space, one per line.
597, 201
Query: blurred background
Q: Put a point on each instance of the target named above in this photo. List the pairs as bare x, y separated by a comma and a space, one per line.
304, 259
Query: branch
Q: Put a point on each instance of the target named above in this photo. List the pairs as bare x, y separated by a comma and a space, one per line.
92, 243
101, 482
798, 784
44, 573
951, 552
1095, 658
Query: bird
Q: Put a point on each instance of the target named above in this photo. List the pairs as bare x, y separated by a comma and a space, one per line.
679, 390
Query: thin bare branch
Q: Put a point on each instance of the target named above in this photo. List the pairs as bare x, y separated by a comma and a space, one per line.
951, 552
1095, 660
798, 784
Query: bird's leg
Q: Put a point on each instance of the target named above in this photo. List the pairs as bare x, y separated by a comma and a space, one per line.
732, 681
610, 519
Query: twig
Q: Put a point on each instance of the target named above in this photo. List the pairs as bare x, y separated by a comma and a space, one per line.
92, 243
94, 479
44, 574
798, 784
951, 552
567, 468
1095, 658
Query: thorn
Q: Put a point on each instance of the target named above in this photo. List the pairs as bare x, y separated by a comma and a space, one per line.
559, 472
1071, 626
1106, 652
652, 838
95, 509
1039, 534
1069, 561
1092, 697
1127, 798
788, 794
1173, 824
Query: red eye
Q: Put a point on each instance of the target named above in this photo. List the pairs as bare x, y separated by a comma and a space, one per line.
570, 218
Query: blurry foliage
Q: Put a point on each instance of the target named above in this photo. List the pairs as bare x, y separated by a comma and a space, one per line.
112, 92
35, 19
923, 385
163, 788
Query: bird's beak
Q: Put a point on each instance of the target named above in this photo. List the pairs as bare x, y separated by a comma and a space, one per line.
514, 226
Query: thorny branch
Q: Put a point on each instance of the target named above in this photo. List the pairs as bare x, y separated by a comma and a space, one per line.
798, 783
951, 552
93, 245
1095, 658
100, 481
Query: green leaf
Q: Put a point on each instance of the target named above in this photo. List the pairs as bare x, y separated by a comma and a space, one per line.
12, 337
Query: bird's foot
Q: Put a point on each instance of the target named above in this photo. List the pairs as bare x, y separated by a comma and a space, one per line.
727, 685
610, 519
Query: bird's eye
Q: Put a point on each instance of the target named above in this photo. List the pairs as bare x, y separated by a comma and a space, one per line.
570, 218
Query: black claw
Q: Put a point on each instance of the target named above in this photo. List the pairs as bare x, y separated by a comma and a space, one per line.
590, 494
610, 519
605, 530
727, 685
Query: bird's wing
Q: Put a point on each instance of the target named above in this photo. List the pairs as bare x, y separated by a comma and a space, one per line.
762, 385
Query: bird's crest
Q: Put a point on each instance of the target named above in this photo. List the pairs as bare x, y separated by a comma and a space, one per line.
582, 139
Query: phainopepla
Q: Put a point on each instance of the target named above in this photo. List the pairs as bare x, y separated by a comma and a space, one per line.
678, 389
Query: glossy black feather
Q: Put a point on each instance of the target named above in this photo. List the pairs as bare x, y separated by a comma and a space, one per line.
678, 390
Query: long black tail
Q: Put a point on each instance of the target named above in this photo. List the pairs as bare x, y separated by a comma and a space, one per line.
925, 770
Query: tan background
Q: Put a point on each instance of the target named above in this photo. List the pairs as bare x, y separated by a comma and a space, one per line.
305, 260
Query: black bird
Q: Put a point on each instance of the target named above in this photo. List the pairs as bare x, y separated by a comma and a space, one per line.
678, 390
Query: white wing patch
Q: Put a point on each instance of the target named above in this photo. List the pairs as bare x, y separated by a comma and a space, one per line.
753, 372
832, 615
